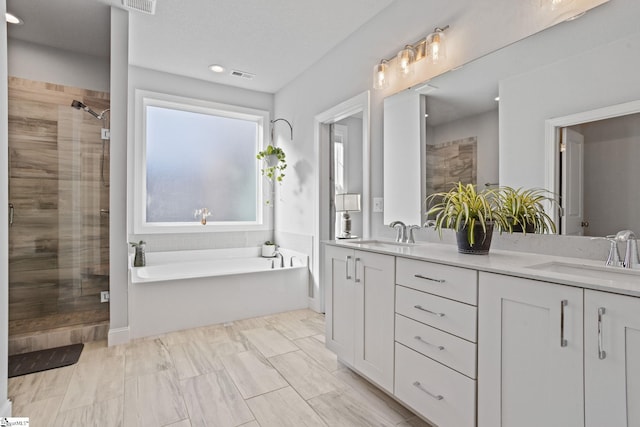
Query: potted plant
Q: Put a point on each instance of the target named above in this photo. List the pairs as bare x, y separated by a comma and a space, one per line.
471, 213
268, 249
524, 209
275, 163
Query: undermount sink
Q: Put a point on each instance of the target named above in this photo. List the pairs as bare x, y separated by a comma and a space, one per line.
378, 243
590, 271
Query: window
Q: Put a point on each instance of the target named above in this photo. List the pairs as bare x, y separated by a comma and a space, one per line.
193, 155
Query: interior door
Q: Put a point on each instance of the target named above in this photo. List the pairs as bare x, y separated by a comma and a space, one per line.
572, 197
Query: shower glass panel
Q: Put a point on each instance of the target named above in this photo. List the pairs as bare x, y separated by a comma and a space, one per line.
59, 239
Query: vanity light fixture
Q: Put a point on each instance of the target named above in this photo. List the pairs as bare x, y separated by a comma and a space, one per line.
432, 47
381, 75
13, 19
216, 68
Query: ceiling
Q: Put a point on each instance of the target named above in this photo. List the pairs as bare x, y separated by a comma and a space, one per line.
276, 40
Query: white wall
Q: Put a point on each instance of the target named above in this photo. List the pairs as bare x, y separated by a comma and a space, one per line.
347, 71
484, 126
5, 404
47, 64
601, 77
118, 268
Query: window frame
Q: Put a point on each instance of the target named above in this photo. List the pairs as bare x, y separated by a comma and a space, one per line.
143, 99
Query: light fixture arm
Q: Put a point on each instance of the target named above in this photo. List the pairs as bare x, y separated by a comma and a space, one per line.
277, 120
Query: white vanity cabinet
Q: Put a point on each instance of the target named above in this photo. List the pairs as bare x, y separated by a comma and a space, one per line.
436, 318
530, 353
612, 360
359, 288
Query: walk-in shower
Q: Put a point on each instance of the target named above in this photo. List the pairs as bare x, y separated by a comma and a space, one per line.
59, 239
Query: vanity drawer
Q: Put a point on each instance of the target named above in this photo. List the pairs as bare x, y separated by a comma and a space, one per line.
452, 402
445, 348
456, 283
441, 313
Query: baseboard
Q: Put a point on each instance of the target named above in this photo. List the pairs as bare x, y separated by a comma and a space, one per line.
5, 409
119, 336
314, 304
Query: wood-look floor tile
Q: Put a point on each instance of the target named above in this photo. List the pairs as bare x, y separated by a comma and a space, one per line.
414, 422
40, 412
146, 357
283, 408
319, 352
252, 374
40, 386
97, 350
182, 423
346, 409
307, 377
102, 414
269, 342
214, 400
194, 358
94, 382
294, 329
382, 404
251, 424
153, 400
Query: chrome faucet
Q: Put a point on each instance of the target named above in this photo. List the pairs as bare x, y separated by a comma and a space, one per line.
276, 255
410, 238
631, 254
401, 235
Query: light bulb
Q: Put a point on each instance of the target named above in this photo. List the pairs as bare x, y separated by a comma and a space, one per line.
405, 59
436, 51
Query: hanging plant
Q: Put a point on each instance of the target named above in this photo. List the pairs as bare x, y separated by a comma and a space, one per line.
275, 163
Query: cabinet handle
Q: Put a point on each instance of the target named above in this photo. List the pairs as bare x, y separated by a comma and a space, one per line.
419, 338
417, 385
563, 304
355, 270
419, 307
346, 267
420, 276
11, 211
601, 353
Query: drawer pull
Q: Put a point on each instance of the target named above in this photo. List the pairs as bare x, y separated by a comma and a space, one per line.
420, 276
563, 341
419, 307
601, 353
419, 387
419, 338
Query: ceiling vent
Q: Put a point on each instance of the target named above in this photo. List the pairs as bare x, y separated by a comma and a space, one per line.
242, 74
144, 6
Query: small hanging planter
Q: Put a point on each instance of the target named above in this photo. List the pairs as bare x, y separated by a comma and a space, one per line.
275, 163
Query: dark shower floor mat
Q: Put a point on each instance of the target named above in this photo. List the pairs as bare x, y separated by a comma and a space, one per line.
42, 360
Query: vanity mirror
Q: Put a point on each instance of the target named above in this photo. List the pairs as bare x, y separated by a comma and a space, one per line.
498, 119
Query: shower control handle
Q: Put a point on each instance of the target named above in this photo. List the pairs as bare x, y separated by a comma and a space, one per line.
11, 211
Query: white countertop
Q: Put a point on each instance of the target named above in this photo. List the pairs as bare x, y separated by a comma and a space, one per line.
510, 263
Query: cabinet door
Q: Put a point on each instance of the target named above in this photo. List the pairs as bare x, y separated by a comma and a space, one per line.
375, 314
612, 360
530, 348
340, 302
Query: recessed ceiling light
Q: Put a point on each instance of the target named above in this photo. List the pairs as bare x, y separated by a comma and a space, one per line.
216, 68
13, 19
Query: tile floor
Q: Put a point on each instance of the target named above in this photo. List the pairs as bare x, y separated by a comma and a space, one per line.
261, 372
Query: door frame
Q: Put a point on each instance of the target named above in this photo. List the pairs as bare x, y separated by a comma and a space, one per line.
357, 104
552, 140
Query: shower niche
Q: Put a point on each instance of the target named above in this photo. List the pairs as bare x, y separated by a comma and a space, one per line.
59, 236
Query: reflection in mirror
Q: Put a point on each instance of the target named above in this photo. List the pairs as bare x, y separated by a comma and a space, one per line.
577, 66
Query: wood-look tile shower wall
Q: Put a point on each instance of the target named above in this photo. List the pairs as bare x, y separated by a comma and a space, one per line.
59, 241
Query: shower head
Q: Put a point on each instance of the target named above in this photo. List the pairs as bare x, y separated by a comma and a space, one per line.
81, 106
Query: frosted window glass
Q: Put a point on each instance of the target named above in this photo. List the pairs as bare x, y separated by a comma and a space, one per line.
199, 161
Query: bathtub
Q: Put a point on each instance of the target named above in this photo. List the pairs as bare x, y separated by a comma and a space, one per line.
186, 289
